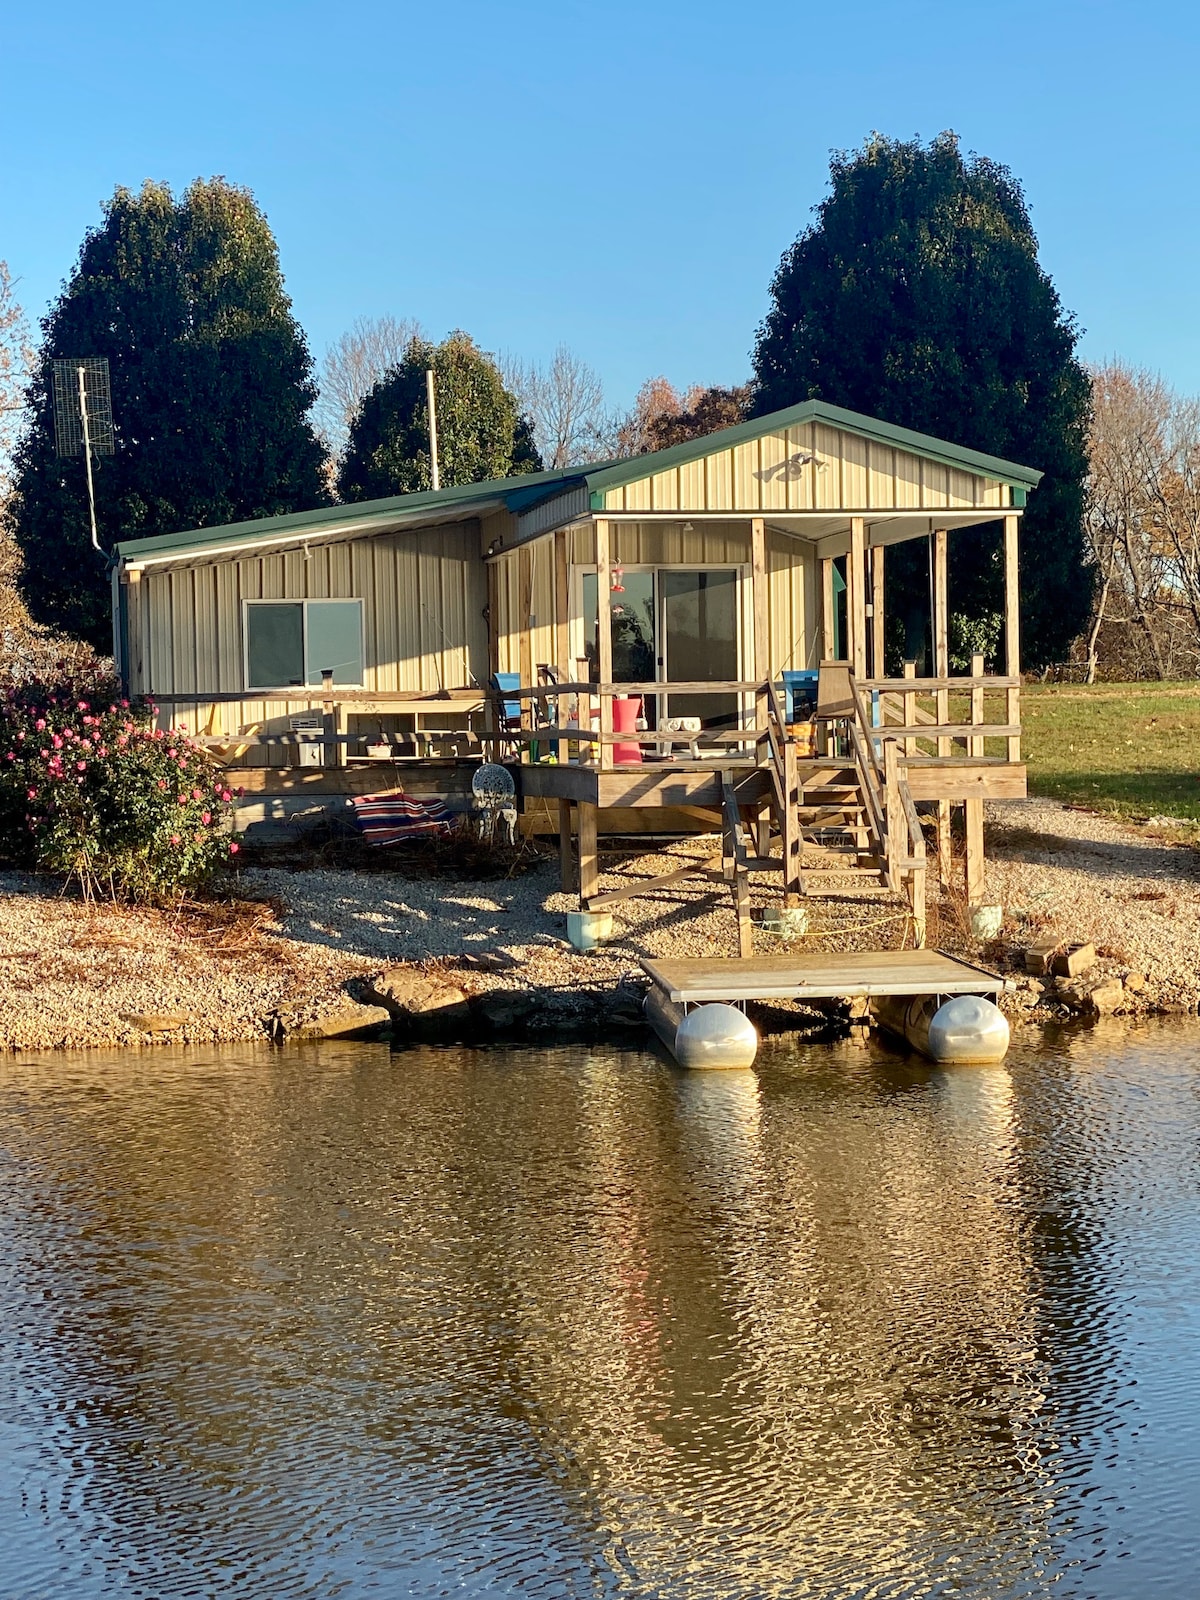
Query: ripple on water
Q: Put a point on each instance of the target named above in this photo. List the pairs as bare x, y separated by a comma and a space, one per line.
326, 1322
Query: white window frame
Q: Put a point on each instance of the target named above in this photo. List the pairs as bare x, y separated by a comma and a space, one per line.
303, 603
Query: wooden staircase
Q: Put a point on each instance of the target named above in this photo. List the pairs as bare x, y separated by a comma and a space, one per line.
846, 824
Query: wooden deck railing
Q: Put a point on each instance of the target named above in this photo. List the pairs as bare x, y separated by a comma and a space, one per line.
927, 716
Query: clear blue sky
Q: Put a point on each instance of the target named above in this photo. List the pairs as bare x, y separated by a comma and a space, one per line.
622, 177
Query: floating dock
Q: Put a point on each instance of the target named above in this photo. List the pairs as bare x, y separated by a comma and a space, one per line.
716, 1033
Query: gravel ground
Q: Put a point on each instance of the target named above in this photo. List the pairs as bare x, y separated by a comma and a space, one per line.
1060, 871
72, 975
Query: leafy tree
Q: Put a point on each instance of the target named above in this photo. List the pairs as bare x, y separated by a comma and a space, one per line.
212, 385
481, 432
702, 411
917, 297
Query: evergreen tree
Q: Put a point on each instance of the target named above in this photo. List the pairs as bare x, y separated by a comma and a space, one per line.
917, 298
481, 432
212, 385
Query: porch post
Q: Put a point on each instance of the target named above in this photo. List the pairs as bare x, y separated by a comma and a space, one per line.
760, 597
562, 642
941, 669
603, 651
525, 639
877, 666
857, 573
1012, 629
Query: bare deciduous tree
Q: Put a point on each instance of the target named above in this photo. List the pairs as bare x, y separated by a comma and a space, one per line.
1143, 525
16, 354
564, 403
353, 366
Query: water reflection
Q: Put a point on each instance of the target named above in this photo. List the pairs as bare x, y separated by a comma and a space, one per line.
331, 1322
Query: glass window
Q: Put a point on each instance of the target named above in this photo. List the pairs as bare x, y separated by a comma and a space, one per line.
274, 646
334, 640
290, 643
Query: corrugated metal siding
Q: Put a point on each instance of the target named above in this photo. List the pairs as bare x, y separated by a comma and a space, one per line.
554, 513
853, 474
423, 596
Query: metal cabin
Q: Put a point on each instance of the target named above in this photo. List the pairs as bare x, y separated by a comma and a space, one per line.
684, 640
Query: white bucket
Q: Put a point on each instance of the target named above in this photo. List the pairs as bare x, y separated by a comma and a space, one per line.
587, 929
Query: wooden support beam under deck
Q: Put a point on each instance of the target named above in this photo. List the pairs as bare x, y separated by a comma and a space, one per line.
589, 863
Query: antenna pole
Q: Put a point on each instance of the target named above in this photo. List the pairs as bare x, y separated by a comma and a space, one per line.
87, 457
433, 442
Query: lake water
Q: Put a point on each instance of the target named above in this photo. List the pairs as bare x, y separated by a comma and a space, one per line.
328, 1322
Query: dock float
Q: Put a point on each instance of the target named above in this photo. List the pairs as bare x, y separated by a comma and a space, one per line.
945, 1007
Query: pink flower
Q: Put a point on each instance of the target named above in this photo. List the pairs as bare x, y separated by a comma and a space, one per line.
83, 705
234, 847
81, 766
102, 751
11, 756
57, 742
33, 794
40, 724
170, 755
174, 838
162, 783
206, 817
21, 735
197, 794
181, 800
124, 705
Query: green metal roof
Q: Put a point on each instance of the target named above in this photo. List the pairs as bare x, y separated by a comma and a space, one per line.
522, 493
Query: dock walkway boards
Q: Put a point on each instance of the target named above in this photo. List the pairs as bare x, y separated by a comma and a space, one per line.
814, 976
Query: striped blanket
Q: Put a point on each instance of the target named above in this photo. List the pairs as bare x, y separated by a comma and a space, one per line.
385, 819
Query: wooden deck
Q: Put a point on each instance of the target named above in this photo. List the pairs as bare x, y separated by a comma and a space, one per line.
816, 976
698, 783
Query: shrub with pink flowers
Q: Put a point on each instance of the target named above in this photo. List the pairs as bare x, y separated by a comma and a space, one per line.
92, 790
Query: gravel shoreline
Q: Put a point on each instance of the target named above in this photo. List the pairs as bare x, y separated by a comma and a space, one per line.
73, 975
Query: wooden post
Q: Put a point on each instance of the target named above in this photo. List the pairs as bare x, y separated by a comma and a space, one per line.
792, 841
329, 722
941, 631
910, 708
562, 633
566, 860
895, 821
589, 865
1012, 630
943, 842
604, 649
828, 615
975, 868
856, 570
760, 597
975, 743
525, 639
877, 645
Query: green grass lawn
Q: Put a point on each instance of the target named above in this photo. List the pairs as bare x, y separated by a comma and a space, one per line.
1129, 748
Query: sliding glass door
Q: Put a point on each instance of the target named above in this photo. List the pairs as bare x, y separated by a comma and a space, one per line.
670, 625
699, 626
